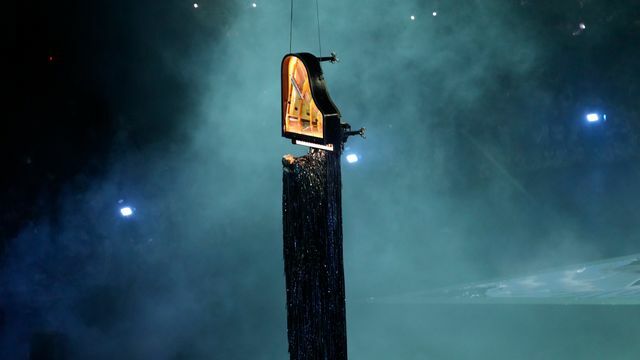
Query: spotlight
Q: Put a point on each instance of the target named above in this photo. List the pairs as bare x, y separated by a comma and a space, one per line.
195, 5
254, 5
352, 158
412, 17
126, 211
435, 13
595, 117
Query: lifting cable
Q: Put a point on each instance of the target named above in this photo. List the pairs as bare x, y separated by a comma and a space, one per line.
318, 24
318, 19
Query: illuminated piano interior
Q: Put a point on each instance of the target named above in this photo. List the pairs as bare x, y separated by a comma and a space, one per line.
301, 113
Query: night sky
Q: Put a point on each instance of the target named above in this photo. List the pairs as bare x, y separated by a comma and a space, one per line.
480, 163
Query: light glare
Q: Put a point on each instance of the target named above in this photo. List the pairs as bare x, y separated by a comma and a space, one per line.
412, 17
352, 158
195, 5
126, 211
593, 117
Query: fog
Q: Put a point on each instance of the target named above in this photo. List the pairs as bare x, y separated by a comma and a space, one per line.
478, 164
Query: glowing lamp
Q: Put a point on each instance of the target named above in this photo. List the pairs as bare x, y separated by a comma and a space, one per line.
309, 116
352, 158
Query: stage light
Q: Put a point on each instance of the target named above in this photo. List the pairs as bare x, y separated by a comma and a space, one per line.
352, 158
412, 17
435, 13
594, 117
126, 211
254, 5
195, 5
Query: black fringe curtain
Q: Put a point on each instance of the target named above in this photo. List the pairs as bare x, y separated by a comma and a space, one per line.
312, 219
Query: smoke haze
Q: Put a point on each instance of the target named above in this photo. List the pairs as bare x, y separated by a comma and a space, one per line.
477, 164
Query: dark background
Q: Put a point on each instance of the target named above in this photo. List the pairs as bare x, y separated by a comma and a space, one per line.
479, 164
